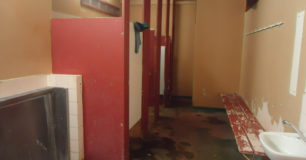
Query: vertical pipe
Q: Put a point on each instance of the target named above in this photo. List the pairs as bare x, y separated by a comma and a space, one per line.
157, 71
173, 25
172, 45
167, 56
126, 17
145, 72
167, 21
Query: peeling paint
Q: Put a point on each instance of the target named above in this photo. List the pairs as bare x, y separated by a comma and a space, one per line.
246, 146
255, 142
264, 117
244, 124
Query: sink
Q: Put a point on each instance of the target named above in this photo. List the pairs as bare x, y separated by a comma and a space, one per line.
283, 146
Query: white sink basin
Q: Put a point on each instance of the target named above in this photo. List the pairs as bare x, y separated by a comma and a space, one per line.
283, 146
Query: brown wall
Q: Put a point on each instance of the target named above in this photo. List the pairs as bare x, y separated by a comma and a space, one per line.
25, 38
267, 60
183, 48
217, 50
136, 12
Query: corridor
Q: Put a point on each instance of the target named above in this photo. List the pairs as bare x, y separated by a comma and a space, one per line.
152, 79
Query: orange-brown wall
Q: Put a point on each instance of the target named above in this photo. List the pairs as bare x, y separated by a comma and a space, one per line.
217, 50
267, 60
25, 38
183, 48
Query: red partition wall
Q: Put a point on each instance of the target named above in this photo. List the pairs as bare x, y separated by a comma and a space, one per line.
126, 19
95, 49
167, 59
168, 73
145, 69
157, 64
151, 67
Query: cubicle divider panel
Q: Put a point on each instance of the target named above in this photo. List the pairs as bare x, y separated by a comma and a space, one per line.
95, 48
152, 85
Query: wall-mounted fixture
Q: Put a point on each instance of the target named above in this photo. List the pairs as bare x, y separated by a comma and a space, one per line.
266, 28
297, 49
102, 6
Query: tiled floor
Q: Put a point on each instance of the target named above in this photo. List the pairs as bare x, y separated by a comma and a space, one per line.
188, 133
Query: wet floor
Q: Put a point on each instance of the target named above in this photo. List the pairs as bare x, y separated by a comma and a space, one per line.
187, 133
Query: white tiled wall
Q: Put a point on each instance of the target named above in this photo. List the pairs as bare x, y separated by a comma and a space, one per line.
74, 84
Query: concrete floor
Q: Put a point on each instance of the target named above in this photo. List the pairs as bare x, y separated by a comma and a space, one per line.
187, 133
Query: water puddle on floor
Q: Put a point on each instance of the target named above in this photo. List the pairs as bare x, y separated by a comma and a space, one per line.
158, 148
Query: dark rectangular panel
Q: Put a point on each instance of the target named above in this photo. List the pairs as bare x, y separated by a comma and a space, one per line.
34, 126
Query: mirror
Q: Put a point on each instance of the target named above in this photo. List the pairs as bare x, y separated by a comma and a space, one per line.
86, 8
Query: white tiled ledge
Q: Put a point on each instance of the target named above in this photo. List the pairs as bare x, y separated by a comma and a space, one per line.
73, 83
